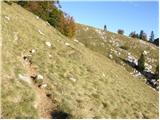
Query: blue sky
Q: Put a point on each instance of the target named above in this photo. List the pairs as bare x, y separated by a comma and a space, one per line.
129, 16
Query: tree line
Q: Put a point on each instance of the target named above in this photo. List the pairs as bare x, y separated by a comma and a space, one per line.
51, 11
142, 35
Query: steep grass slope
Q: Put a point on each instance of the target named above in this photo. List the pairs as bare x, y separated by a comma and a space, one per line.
117, 47
73, 81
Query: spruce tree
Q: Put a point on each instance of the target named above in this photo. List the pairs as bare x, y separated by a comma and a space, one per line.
143, 35
151, 39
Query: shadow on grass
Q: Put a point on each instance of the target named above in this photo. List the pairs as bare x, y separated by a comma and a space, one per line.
148, 75
60, 115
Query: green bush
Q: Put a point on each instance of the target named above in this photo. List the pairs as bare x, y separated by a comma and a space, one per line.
141, 62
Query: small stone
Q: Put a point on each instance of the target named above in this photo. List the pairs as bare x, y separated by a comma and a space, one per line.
67, 44
32, 51
50, 56
48, 44
76, 40
110, 56
37, 17
103, 75
145, 52
8, 18
43, 85
39, 77
129, 54
72, 79
40, 32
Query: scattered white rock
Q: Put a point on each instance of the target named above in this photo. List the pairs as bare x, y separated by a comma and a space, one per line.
32, 51
115, 52
110, 41
67, 44
24, 78
101, 33
137, 74
132, 59
43, 85
47, 24
72, 79
76, 40
48, 44
40, 32
37, 17
148, 67
85, 29
50, 56
103, 75
140, 115
8, 18
129, 54
39, 77
110, 56
15, 36
145, 52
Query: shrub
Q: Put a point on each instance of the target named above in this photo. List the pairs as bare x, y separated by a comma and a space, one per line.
141, 62
120, 31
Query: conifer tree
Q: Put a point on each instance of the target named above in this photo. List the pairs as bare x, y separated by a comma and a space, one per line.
141, 62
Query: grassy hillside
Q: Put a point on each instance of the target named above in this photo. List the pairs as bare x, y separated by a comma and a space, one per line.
73, 81
116, 45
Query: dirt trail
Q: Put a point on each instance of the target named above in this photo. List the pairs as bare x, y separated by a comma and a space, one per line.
42, 103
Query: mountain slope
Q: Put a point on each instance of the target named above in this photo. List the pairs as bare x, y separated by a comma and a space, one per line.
42, 66
119, 46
